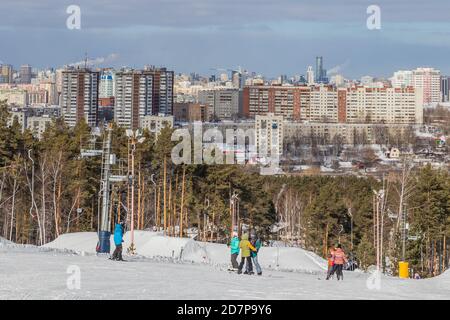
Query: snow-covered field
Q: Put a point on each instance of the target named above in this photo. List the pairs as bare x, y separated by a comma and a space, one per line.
29, 272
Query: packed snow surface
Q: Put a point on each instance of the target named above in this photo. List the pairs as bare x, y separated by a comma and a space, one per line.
151, 244
29, 272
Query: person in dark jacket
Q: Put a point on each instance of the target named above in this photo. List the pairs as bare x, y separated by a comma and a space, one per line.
256, 242
118, 239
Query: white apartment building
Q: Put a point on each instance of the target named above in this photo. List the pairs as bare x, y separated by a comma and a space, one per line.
269, 133
79, 96
383, 105
323, 105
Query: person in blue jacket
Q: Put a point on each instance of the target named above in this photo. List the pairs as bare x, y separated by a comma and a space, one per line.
118, 239
234, 245
256, 242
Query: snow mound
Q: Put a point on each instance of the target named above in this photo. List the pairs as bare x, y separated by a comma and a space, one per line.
3, 241
154, 245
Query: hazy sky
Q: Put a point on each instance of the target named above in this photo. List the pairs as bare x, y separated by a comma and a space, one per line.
270, 37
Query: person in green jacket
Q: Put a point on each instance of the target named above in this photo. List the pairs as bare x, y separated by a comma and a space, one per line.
246, 246
234, 246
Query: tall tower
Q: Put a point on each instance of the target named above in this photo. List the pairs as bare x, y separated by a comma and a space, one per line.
310, 76
79, 96
319, 69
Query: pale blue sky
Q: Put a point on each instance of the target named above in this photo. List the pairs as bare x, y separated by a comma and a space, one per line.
269, 37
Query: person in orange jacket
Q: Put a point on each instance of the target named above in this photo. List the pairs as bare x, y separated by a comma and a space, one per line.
339, 260
330, 262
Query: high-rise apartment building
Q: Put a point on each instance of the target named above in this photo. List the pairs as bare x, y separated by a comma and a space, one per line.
134, 97
79, 96
237, 79
429, 80
142, 92
6, 73
163, 82
25, 74
283, 101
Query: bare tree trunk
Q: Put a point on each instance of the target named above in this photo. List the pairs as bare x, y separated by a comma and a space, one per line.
13, 207
43, 206
1, 198
164, 196
182, 202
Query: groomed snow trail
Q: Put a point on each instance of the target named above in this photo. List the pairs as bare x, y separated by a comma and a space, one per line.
41, 273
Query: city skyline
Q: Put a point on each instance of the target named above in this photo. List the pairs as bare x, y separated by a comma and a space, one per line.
195, 36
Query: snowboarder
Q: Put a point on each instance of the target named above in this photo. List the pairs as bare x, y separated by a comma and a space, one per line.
245, 247
330, 261
234, 246
256, 242
118, 239
339, 260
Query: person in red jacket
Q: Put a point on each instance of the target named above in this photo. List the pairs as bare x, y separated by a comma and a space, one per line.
339, 260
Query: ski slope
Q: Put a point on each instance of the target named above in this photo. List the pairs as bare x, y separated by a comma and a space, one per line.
41, 273
29, 272
154, 245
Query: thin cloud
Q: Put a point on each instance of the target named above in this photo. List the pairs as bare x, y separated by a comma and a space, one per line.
96, 61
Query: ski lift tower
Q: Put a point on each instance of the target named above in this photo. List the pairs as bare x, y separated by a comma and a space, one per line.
234, 210
108, 159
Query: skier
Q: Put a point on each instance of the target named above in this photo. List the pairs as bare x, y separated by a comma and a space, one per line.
234, 246
256, 242
118, 239
339, 260
246, 246
330, 260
